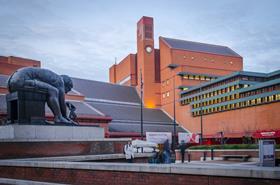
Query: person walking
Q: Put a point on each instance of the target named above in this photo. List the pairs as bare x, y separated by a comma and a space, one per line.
129, 153
182, 148
166, 152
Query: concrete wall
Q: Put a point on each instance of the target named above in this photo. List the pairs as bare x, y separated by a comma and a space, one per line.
44, 148
137, 174
33, 132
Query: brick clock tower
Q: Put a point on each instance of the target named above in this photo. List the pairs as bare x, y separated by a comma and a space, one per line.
146, 62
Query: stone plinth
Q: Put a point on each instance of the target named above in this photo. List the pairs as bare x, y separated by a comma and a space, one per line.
48, 132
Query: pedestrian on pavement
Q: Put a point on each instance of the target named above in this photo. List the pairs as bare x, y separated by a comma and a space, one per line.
182, 148
129, 153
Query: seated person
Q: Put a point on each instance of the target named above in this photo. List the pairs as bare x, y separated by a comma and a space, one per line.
44, 80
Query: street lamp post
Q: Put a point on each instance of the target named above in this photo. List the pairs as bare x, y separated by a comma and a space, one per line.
141, 94
172, 67
201, 123
174, 115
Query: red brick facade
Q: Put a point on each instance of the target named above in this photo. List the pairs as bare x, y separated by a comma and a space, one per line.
58, 148
160, 79
84, 177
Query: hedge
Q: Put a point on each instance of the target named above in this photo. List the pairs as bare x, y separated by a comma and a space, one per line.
227, 146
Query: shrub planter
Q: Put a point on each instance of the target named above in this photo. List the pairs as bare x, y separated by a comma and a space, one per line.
197, 155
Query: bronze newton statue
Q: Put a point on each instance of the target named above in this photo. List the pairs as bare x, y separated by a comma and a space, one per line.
44, 80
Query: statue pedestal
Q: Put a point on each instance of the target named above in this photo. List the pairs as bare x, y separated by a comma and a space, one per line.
29, 141
26, 106
50, 133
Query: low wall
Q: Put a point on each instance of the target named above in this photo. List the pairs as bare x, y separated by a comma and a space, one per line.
136, 174
196, 155
50, 132
45, 148
120, 157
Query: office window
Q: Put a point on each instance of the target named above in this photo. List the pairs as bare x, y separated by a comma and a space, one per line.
191, 77
237, 105
167, 94
259, 100
237, 95
196, 77
244, 78
202, 78
248, 103
207, 78
163, 95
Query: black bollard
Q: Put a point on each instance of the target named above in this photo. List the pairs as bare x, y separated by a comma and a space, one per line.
204, 156
189, 157
212, 154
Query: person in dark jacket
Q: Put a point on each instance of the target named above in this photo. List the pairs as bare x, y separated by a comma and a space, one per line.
182, 147
166, 152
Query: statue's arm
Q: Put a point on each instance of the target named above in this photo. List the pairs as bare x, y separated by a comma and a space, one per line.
62, 103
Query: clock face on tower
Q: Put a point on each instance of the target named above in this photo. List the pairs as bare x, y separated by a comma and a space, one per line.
149, 49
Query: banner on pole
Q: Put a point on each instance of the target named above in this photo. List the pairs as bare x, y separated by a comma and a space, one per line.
188, 137
159, 137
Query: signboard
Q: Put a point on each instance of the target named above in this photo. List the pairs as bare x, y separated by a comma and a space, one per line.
269, 134
267, 152
188, 137
159, 137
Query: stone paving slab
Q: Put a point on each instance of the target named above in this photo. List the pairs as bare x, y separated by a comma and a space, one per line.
25, 182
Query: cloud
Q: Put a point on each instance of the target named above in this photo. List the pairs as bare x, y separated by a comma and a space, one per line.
82, 38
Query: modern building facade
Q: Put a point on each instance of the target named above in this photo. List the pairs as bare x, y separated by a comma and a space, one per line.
236, 105
186, 78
